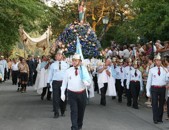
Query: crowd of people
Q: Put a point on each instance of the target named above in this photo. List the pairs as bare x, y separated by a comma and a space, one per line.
125, 71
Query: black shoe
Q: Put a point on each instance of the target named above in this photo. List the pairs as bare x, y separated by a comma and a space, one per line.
63, 114
113, 98
103, 104
160, 121
128, 104
48, 99
41, 97
56, 115
135, 107
18, 90
155, 122
120, 101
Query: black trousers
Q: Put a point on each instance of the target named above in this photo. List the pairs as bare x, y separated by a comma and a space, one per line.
34, 77
168, 107
158, 99
77, 107
125, 86
129, 97
14, 77
119, 89
96, 88
5, 74
44, 93
30, 81
9, 74
57, 102
135, 89
103, 94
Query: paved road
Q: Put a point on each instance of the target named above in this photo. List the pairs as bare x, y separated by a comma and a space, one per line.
27, 112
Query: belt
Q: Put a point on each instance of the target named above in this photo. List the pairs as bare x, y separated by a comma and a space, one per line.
155, 86
78, 92
134, 81
57, 80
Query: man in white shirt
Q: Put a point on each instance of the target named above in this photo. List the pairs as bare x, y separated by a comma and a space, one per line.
119, 80
135, 84
15, 71
3, 62
156, 88
127, 71
104, 72
76, 80
126, 52
56, 73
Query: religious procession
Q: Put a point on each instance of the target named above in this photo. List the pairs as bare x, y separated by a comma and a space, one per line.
76, 71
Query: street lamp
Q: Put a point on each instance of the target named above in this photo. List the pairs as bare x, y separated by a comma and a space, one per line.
105, 21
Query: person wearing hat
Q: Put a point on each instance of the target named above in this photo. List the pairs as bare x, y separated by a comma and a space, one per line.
56, 73
127, 71
156, 88
134, 84
119, 80
76, 80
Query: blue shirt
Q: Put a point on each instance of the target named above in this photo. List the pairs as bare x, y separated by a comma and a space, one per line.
56, 72
113, 71
43, 64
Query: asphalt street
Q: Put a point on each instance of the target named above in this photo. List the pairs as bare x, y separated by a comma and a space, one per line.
25, 111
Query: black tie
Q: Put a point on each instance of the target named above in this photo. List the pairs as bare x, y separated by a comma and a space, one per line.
159, 71
121, 70
59, 65
76, 72
135, 73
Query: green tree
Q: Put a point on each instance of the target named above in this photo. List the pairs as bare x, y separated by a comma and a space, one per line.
14, 13
152, 20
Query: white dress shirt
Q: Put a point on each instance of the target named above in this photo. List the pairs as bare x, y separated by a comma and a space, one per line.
156, 80
119, 74
126, 53
55, 73
133, 77
103, 77
4, 64
127, 70
15, 66
72, 82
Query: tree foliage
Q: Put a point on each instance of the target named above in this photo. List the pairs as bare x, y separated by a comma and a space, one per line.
128, 19
14, 13
152, 20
